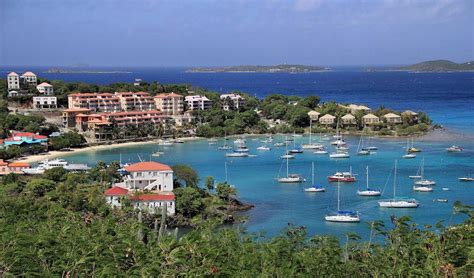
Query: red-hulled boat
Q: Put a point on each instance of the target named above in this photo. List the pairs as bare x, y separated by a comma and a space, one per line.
342, 177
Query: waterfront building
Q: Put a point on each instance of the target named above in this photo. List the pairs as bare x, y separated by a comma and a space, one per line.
413, 116
69, 116
393, 118
25, 138
13, 81
12, 167
232, 101
45, 102
370, 119
103, 102
313, 115
147, 185
348, 119
198, 102
327, 119
45, 89
170, 104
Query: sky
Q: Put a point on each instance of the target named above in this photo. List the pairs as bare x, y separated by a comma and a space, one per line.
234, 32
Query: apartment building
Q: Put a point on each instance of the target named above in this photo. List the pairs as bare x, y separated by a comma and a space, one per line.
108, 102
45, 89
45, 102
170, 104
136, 101
198, 102
232, 101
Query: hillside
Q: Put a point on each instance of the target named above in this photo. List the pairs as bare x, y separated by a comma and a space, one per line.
439, 66
269, 69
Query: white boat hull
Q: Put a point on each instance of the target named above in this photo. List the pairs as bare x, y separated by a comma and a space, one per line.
312, 146
312, 189
425, 182
422, 189
339, 155
342, 218
398, 204
368, 193
320, 152
287, 156
290, 180
409, 156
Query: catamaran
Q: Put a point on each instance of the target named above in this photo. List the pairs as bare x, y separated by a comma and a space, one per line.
348, 216
368, 191
342, 176
398, 202
423, 181
314, 187
290, 178
310, 144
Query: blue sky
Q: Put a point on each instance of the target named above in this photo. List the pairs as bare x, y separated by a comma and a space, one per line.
234, 32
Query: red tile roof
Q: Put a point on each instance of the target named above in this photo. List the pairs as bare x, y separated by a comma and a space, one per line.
3, 163
147, 166
116, 191
76, 110
18, 164
153, 197
44, 84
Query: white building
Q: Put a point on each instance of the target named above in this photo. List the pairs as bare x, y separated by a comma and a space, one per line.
237, 100
29, 78
13, 80
148, 186
45, 89
198, 102
45, 102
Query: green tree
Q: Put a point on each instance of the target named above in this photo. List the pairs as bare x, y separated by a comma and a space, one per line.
225, 191
55, 174
185, 175
39, 187
209, 183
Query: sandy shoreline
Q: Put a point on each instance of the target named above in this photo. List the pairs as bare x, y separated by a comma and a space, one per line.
57, 154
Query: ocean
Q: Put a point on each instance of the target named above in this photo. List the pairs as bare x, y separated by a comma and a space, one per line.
447, 97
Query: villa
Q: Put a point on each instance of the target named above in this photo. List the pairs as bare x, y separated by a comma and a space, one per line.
313, 115
327, 119
45, 102
348, 119
370, 119
147, 185
237, 101
393, 118
45, 89
19, 85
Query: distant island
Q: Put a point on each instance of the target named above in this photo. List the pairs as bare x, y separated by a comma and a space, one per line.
267, 69
438, 66
63, 70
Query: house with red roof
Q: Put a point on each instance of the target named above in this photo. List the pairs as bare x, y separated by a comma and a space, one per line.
147, 185
25, 138
12, 167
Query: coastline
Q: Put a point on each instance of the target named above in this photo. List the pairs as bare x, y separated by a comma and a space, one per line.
441, 135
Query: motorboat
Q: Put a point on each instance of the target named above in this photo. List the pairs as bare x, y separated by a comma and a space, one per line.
236, 154
368, 191
422, 188
314, 187
342, 177
339, 155
440, 200
398, 202
454, 148
296, 150
466, 179
55, 163
263, 148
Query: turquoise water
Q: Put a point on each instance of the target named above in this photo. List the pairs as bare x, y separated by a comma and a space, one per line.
276, 204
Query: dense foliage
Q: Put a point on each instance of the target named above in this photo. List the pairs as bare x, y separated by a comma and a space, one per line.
66, 140
59, 225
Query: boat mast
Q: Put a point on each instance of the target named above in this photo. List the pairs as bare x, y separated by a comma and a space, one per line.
310, 126
287, 173
367, 176
360, 141
422, 173
338, 183
312, 173
395, 179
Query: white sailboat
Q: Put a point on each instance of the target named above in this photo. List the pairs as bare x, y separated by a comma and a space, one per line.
409, 154
287, 155
290, 178
360, 149
310, 144
226, 146
368, 191
338, 136
423, 181
397, 202
314, 187
344, 216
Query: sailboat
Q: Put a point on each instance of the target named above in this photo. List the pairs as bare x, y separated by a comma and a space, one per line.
454, 148
264, 148
314, 187
409, 155
347, 216
368, 191
412, 149
338, 136
290, 178
310, 144
360, 149
295, 149
397, 202
287, 155
423, 181
226, 146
